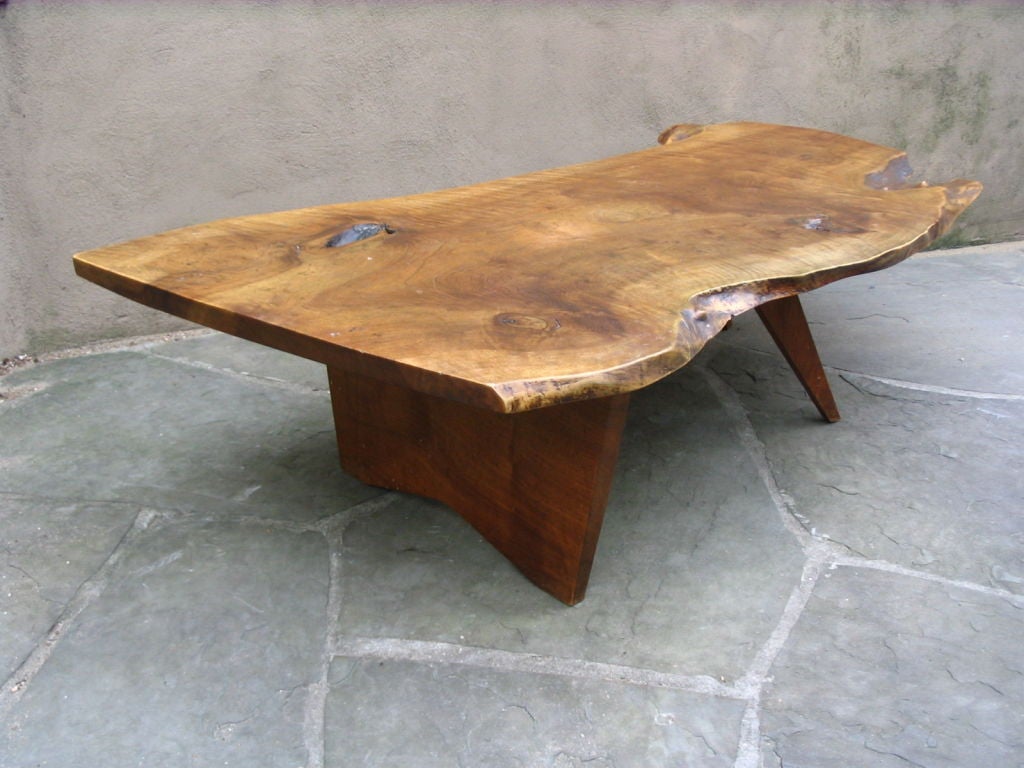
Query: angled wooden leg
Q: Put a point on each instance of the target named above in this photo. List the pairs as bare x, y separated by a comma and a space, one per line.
534, 484
785, 320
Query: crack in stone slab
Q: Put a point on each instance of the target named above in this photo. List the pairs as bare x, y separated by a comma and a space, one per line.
37, 497
314, 721
817, 553
250, 378
333, 526
127, 344
755, 450
90, 589
400, 649
843, 373
930, 388
881, 315
752, 683
171, 515
883, 565
8, 397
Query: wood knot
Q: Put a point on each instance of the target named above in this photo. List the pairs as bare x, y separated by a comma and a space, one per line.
358, 232
828, 224
523, 322
679, 132
895, 175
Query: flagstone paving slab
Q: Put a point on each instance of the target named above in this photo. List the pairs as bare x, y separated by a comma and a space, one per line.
130, 426
885, 671
233, 355
48, 549
922, 479
687, 536
171, 516
435, 715
952, 320
189, 657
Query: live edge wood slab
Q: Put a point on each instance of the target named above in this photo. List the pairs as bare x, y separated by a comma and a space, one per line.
482, 342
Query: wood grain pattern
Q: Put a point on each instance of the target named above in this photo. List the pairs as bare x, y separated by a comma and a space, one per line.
579, 282
481, 342
534, 484
785, 320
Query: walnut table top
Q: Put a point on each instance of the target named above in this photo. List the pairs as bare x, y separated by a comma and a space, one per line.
555, 293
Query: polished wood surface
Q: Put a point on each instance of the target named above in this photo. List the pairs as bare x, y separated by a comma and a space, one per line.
579, 282
534, 484
481, 342
786, 323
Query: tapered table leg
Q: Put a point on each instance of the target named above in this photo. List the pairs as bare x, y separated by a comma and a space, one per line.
785, 320
534, 484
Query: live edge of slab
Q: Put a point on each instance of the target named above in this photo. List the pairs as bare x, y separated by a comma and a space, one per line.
560, 285
482, 341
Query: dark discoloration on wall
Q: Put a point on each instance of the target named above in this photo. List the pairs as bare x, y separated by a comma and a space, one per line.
954, 100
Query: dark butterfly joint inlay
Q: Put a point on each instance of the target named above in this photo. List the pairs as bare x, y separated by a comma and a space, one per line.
358, 232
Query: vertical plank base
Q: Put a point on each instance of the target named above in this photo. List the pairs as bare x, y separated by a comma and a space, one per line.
785, 320
534, 484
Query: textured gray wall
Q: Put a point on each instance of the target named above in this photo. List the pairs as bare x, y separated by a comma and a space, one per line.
121, 119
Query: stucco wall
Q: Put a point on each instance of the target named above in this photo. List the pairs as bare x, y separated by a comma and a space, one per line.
125, 118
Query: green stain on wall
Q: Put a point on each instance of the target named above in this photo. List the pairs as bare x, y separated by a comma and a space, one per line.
959, 103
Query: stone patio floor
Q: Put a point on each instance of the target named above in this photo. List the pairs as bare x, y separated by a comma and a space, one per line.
188, 579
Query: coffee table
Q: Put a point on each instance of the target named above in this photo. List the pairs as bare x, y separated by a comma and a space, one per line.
481, 342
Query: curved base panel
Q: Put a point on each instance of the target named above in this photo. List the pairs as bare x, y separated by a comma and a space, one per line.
534, 484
